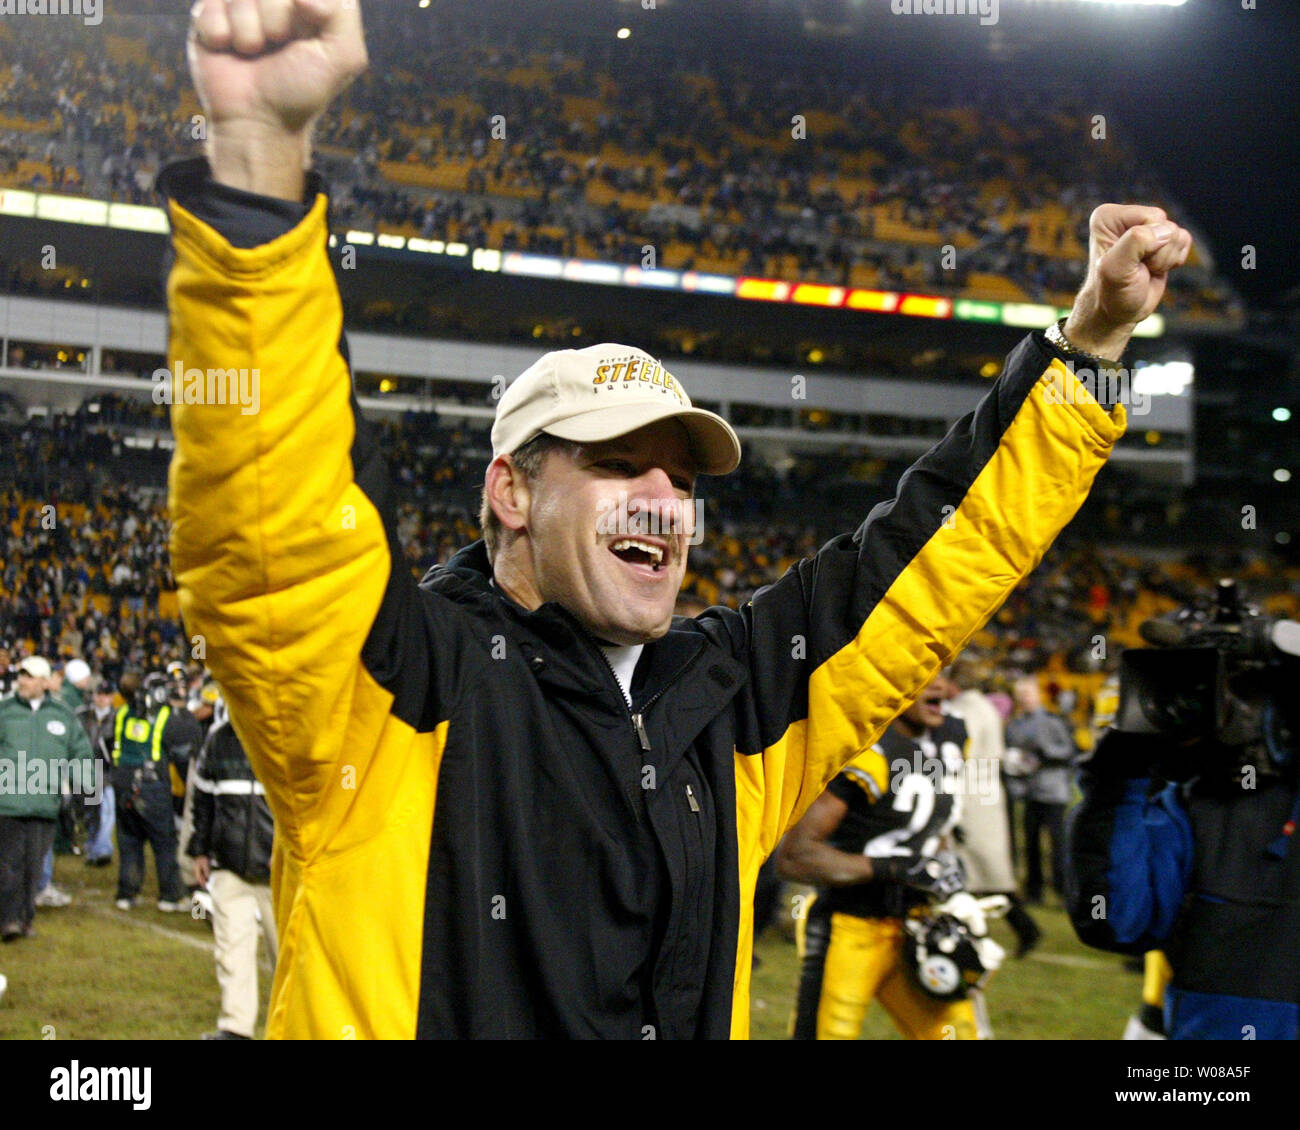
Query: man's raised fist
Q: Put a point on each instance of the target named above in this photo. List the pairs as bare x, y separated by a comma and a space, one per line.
265, 70
1131, 250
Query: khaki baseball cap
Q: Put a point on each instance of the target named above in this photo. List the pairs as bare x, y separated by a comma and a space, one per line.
36, 666
602, 392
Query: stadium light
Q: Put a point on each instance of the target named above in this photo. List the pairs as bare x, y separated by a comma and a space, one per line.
1166, 378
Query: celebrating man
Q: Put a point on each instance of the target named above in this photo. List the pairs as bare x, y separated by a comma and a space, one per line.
521, 799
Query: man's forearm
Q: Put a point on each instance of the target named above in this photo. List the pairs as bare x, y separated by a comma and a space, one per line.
821, 865
255, 541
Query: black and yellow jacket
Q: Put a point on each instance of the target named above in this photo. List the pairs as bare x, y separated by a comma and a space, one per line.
468, 839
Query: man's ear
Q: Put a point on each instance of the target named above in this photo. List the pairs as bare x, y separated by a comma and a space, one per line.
507, 492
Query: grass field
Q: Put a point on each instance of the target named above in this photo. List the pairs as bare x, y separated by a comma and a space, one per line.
97, 973
94, 972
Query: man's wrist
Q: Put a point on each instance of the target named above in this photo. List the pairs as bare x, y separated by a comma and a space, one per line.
1097, 344
262, 160
884, 869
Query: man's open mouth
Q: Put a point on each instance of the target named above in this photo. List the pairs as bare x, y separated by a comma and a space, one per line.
635, 551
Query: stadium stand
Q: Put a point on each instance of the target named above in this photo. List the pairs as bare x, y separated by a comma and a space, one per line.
533, 147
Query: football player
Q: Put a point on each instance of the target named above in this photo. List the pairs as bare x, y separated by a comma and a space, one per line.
875, 844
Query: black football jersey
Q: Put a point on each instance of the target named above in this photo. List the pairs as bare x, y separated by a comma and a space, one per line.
904, 796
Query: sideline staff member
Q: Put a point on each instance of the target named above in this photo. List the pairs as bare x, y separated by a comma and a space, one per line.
519, 799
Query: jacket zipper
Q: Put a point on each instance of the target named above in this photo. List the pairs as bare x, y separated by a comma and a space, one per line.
638, 727
640, 732
645, 746
637, 718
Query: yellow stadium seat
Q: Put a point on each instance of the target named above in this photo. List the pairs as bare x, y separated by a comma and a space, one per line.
996, 287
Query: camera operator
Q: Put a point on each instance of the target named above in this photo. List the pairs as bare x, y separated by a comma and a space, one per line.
1183, 839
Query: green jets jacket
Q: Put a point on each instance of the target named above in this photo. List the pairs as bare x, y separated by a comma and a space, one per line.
466, 843
39, 750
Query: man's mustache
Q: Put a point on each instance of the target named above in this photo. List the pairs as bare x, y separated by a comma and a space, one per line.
668, 519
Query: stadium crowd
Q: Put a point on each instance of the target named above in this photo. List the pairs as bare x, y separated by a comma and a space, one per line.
593, 163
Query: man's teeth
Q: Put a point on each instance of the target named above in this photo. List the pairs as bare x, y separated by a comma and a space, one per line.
631, 543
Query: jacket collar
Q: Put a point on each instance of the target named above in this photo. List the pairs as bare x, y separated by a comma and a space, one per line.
468, 577
470, 564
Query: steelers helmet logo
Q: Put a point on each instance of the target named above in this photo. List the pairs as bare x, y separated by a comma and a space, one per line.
939, 974
943, 956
